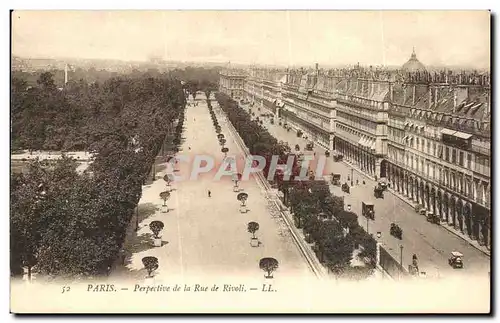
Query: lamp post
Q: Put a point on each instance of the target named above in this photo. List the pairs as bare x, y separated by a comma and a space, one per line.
352, 176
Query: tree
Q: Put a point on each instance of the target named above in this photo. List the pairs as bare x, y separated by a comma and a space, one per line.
237, 179
269, 265
252, 227
151, 264
78, 226
168, 179
242, 197
338, 253
337, 204
156, 227
165, 196
347, 219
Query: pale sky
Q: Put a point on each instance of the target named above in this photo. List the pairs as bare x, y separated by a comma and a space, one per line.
456, 38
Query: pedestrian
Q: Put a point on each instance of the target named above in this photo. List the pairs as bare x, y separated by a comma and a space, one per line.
209, 193
357, 181
364, 182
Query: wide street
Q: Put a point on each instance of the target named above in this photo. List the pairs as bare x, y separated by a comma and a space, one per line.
431, 243
206, 237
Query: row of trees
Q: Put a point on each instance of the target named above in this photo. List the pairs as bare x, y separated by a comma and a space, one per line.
70, 224
334, 231
258, 140
267, 264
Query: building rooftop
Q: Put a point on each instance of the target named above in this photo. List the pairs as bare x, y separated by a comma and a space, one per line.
413, 64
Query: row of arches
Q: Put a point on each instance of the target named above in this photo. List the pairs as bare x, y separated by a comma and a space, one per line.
452, 209
362, 158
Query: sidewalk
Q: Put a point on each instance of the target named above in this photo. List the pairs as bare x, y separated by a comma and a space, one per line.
457, 233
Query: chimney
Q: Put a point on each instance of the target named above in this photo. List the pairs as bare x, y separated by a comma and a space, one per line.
454, 101
487, 108
430, 97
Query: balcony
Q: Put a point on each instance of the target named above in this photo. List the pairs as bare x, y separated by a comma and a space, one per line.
483, 170
481, 149
361, 102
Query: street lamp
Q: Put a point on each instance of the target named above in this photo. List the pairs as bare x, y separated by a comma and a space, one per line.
348, 207
379, 234
352, 176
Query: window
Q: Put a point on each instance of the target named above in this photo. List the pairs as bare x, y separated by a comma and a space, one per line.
461, 159
428, 147
469, 161
434, 149
447, 154
418, 143
454, 156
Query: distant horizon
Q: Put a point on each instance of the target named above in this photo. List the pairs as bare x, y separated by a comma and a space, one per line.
312, 64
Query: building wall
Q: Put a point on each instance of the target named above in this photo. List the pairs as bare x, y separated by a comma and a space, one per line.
390, 131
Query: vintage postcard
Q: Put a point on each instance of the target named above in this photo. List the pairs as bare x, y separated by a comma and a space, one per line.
250, 162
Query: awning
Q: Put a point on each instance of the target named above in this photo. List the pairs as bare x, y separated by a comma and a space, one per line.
462, 135
448, 132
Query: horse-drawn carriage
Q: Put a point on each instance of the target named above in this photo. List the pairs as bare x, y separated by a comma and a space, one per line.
456, 260
368, 210
378, 192
433, 218
337, 157
336, 179
396, 231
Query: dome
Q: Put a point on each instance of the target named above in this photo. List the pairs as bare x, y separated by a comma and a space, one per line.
413, 64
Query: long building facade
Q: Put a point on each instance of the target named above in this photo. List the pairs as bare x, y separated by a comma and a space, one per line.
427, 133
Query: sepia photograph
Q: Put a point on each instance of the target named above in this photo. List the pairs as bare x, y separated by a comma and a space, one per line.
279, 161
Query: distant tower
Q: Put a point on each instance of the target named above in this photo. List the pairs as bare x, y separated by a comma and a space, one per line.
65, 74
